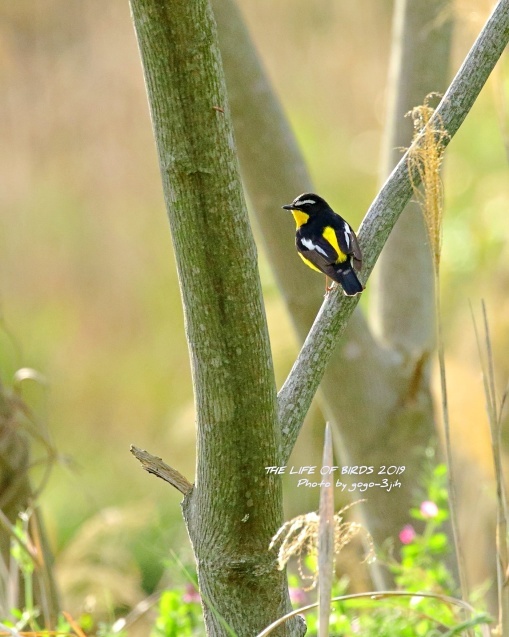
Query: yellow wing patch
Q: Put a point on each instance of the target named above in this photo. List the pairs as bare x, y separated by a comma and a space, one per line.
330, 235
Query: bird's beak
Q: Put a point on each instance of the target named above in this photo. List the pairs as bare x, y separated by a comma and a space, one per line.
288, 207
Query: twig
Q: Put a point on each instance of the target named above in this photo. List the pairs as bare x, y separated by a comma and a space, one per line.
451, 482
157, 467
495, 422
25, 545
376, 596
326, 541
6, 630
73, 624
301, 385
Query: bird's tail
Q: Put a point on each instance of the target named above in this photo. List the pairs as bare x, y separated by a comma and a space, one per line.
349, 281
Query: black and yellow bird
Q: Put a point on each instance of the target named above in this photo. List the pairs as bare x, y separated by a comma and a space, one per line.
326, 243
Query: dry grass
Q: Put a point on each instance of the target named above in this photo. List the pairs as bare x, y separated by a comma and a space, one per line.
299, 537
426, 158
495, 409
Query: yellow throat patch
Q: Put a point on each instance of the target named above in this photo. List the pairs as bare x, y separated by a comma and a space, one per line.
300, 217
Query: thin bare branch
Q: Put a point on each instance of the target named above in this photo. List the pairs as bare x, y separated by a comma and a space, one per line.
494, 417
452, 601
326, 540
157, 467
451, 481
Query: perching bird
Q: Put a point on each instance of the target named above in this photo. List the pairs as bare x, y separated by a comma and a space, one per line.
325, 242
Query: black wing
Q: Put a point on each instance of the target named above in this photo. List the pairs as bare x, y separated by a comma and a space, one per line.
356, 251
317, 250
347, 240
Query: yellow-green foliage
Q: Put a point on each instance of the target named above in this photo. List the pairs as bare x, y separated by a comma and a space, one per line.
299, 538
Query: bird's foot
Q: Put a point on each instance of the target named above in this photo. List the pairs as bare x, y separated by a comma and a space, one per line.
329, 288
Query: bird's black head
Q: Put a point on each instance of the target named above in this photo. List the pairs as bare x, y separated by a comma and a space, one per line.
308, 203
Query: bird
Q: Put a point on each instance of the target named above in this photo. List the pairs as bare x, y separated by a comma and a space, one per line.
326, 242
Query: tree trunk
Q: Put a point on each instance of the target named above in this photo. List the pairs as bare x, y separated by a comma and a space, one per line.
235, 507
404, 308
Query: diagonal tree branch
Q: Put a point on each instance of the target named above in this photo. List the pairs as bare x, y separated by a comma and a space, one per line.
297, 392
394, 419
273, 170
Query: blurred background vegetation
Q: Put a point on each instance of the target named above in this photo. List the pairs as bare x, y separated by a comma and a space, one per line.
89, 295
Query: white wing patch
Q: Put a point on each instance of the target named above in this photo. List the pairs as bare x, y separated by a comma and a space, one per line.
347, 234
312, 246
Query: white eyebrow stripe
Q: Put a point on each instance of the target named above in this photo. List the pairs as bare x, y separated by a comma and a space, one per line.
301, 203
312, 246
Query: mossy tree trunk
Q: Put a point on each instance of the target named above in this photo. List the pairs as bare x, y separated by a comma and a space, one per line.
234, 508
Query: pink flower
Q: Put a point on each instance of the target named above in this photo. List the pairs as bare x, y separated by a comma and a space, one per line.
298, 596
429, 509
356, 626
191, 595
407, 534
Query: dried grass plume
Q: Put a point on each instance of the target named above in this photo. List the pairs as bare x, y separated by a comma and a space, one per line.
299, 537
426, 159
